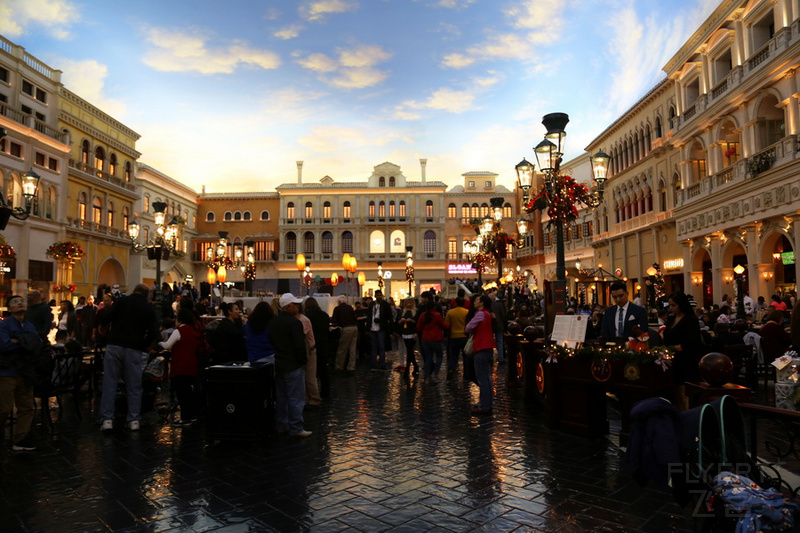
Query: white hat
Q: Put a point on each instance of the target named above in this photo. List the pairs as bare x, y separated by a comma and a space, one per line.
289, 298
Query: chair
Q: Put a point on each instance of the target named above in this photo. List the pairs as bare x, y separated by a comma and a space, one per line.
65, 378
742, 357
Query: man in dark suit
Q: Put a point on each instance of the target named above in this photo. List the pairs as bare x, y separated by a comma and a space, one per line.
379, 319
624, 319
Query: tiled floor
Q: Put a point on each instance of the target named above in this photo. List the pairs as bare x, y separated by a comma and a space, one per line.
385, 456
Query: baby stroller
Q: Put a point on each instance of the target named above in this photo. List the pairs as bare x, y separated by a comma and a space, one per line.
702, 455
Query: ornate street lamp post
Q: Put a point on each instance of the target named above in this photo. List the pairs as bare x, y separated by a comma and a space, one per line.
30, 184
158, 248
738, 271
410, 269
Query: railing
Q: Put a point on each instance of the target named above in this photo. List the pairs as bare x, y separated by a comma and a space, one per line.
760, 56
690, 112
694, 190
105, 176
725, 176
781, 443
720, 88
13, 114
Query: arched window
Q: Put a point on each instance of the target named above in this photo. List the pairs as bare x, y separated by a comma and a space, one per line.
402, 209
110, 215
146, 203
372, 209
126, 217
326, 210
429, 208
309, 210
475, 211
228, 216
658, 127
327, 242
82, 206
291, 243
346, 210
347, 242
264, 215
382, 209
697, 162
672, 117
392, 209
507, 210
97, 210
429, 242
662, 196
770, 127
112, 165
465, 211
85, 151
99, 158
237, 215
451, 211
308, 242
290, 210
377, 242
210, 216
246, 215
381, 182
128, 171
484, 210
391, 181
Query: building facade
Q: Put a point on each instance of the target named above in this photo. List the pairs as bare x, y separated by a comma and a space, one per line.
100, 193
29, 114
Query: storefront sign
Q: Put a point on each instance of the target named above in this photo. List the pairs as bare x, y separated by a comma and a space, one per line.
672, 264
461, 268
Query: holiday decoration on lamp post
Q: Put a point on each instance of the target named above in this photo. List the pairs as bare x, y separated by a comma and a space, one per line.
66, 254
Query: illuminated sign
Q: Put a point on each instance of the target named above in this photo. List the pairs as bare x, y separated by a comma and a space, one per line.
461, 268
673, 264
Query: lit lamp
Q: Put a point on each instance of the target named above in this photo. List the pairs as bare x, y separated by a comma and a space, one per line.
738, 271
362, 278
380, 276
410, 268
211, 276
30, 184
300, 263
334, 279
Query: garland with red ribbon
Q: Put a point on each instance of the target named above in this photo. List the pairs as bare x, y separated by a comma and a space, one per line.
560, 200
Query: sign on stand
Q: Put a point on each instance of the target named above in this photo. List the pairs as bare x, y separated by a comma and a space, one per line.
569, 330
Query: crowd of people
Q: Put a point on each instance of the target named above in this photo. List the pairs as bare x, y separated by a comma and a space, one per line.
429, 338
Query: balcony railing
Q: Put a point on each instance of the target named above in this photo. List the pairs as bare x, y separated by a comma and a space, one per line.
105, 176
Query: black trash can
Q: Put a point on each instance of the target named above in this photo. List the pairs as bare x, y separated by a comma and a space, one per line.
240, 401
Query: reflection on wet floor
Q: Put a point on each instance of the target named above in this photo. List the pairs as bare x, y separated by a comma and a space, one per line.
386, 455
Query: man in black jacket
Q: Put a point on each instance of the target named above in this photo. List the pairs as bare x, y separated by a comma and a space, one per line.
39, 314
380, 320
133, 331
286, 333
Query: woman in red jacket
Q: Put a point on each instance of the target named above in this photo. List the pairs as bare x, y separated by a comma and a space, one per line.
480, 327
183, 366
430, 328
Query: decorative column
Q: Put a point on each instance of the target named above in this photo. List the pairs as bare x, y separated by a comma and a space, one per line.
715, 250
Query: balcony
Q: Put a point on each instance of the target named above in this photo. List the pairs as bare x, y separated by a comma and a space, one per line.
95, 228
199, 257
99, 174
31, 122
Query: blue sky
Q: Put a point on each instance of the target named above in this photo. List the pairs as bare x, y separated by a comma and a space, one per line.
230, 94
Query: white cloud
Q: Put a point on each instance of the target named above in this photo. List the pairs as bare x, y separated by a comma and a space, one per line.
639, 49
87, 80
446, 99
292, 106
182, 52
454, 4
532, 23
17, 17
352, 69
289, 32
319, 9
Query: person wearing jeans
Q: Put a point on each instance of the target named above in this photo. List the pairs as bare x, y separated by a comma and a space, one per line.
380, 322
430, 327
483, 345
133, 330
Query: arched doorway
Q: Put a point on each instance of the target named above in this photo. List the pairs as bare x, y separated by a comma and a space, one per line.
781, 278
702, 277
111, 273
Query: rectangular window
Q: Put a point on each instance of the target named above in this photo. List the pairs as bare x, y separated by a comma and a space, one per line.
546, 239
3, 75
507, 211
291, 246
97, 214
487, 185
392, 209
52, 164
16, 149
82, 211
39, 159
110, 219
3, 98
26, 110
40, 116
470, 184
27, 87
452, 248
41, 95
327, 246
